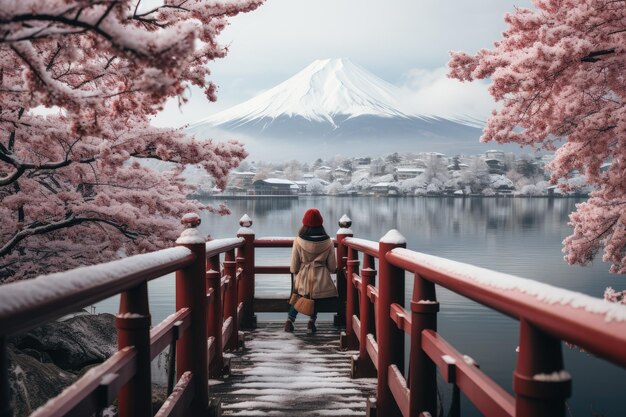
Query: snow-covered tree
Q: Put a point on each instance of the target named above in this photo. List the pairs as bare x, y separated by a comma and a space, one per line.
293, 170
318, 163
409, 185
435, 187
500, 182
530, 189
527, 166
72, 189
244, 166
378, 166
359, 181
436, 167
316, 186
263, 171
334, 188
559, 73
324, 174
393, 158
476, 176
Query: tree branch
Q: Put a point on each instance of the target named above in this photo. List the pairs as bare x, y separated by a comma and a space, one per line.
71, 220
592, 56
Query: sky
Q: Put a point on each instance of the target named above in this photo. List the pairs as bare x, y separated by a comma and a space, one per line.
404, 42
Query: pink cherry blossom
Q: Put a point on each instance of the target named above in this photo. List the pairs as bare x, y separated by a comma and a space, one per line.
72, 186
558, 72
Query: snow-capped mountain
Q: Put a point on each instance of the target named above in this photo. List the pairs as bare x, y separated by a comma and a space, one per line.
322, 92
334, 105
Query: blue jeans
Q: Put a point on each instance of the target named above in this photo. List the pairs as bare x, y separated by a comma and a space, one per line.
293, 313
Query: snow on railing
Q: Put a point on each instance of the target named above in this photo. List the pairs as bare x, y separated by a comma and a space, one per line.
221, 245
545, 293
366, 245
82, 284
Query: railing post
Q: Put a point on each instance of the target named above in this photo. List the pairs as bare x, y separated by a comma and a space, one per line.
540, 383
422, 370
364, 367
230, 307
390, 339
215, 319
246, 295
344, 231
133, 329
5, 393
191, 348
348, 339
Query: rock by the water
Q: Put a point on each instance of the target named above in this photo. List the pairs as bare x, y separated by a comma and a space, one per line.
49, 358
33, 383
72, 344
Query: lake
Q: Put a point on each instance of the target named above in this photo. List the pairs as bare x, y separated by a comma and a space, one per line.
519, 236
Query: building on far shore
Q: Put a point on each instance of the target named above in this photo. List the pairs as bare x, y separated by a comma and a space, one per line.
275, 186
302, 186
384, 188
408, 172
243, 179
494, 154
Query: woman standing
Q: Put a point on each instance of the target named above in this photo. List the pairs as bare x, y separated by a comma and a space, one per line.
312, 261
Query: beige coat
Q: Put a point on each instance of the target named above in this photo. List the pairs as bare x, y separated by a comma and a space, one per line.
315, 260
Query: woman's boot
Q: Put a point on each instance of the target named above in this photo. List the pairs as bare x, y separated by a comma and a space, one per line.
289, 326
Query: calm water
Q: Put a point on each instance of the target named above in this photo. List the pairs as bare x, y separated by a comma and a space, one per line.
517, 236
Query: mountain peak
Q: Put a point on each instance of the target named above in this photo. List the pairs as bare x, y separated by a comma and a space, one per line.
327, 90
331, 62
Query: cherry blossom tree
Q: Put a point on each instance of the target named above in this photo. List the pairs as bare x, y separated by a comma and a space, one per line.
558, 72
73, 184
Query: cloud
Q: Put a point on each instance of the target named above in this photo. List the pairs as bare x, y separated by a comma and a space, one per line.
431, 92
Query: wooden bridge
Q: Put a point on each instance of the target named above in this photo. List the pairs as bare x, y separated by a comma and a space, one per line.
363, 372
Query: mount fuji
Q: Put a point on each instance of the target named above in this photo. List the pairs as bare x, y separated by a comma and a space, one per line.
336, 107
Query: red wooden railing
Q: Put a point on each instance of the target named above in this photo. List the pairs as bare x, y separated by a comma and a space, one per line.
377, 323
209, 311
215, 298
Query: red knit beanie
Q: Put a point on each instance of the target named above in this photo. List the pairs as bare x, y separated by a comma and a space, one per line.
312, 218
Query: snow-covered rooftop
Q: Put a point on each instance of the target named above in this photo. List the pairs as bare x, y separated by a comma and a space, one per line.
278, 181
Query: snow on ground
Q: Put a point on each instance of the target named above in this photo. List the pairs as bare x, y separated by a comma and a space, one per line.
287, 374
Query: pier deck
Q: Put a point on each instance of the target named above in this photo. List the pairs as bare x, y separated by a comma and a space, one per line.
292, 374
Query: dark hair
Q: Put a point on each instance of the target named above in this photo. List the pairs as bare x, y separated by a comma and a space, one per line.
308, 231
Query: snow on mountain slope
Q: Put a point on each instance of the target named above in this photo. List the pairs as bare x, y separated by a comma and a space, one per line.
321, 92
